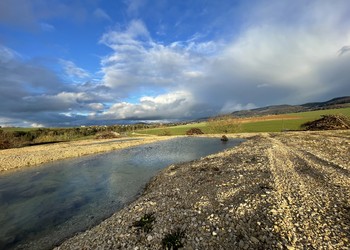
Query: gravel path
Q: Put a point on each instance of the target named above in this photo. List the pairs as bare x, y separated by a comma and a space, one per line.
275, 191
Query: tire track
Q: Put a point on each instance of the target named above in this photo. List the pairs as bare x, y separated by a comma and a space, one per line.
315, 213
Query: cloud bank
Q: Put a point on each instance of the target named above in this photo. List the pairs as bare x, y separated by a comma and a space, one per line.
277, 58
283, 52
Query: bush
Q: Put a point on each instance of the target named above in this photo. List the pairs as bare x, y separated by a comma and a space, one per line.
11, 140
107, 135
194, 131
224, 138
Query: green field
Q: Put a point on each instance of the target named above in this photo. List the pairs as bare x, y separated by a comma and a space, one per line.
260, 126
12, 129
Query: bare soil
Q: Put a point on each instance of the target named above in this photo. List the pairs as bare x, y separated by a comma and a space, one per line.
275, 191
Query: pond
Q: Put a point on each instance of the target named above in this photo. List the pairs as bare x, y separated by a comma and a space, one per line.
42, 206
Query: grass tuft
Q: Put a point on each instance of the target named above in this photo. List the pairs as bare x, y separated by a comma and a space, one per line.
173, 240
145, 223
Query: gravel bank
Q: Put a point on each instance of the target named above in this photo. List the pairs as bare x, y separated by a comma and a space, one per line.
275, 191
16, 158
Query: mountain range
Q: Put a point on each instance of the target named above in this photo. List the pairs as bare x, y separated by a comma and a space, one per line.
339, 102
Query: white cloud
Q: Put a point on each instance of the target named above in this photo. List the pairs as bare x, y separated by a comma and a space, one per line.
174, 105
47, 27
268, 62
287, 56
101, 14
63, 101
133, 6
124, 40
343, 50
282, 52
96, 106
36, 125
7, 55
138, 62
74, 71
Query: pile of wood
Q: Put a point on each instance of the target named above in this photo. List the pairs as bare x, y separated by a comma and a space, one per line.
328, 122
194, 131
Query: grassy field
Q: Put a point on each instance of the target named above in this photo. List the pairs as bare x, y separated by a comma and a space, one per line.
13, 129
290, 121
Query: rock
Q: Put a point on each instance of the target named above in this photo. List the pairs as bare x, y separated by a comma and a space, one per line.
224, 138
149, 238
254, 240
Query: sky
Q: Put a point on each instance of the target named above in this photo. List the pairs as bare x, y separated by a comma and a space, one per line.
86, 62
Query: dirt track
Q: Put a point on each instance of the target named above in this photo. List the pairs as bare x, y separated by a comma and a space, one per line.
275, 191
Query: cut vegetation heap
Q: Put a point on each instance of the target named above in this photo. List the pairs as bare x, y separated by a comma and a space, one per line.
328, 122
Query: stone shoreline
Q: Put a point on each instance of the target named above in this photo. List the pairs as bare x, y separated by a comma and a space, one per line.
19, 158
274, 191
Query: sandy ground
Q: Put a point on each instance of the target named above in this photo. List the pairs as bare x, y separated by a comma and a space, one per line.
274, 191
18, 158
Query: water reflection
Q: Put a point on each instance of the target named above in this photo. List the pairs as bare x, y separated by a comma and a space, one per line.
43, 205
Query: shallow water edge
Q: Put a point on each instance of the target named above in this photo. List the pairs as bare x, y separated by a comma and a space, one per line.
44, 205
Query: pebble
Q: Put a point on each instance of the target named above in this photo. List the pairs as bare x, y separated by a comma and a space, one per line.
254, 240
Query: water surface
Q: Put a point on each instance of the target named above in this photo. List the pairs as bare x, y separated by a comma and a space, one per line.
41, 206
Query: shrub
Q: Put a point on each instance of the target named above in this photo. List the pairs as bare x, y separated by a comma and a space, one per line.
107, 135
10, 139
224, 138
194, 131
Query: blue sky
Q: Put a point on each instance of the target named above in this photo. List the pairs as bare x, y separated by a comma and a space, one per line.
67, 63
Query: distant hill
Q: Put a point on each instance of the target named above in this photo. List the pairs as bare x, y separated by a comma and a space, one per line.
339, 102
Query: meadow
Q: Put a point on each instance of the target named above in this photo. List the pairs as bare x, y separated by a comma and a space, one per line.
18, 137
272, 123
